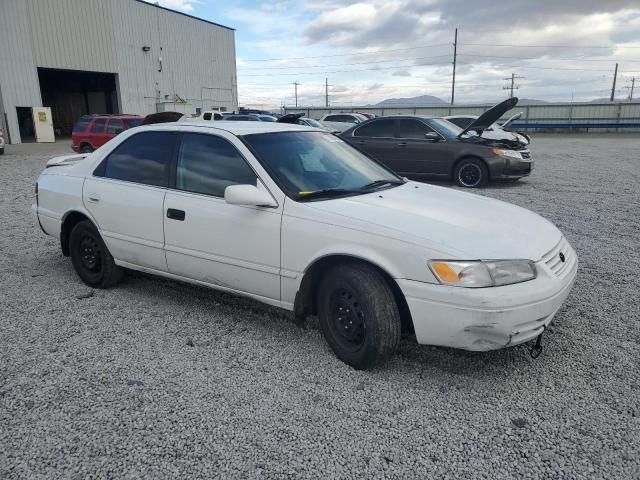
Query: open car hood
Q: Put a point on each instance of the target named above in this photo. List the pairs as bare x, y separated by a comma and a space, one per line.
490, 116
290, 118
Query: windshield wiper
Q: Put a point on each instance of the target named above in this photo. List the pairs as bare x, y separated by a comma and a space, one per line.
379, 183
327, 192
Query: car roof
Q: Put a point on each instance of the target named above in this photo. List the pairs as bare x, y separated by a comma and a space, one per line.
247, 128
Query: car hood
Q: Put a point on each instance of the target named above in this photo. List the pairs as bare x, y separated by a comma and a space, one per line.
458, 224
490, 116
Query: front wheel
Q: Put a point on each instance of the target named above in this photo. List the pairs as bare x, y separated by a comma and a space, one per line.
471, 173
86, 148
358, 315
91, 259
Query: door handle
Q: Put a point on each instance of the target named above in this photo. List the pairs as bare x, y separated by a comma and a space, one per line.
93, 197
402, 144
360, 143
174, 214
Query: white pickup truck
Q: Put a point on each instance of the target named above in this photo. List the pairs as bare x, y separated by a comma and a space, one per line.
294, 217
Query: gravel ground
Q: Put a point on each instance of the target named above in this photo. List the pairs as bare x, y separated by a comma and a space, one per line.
159, 379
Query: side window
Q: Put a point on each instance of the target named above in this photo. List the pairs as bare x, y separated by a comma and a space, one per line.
142, 158
98, 125
208, 164
207, 116
412, 129
115, 126
377, 129
333, 118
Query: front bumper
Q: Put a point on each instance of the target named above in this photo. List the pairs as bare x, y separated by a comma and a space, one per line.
515, 168
483, 319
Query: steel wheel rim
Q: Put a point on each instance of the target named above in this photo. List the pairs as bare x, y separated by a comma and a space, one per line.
348, 320
470, 175
90, 253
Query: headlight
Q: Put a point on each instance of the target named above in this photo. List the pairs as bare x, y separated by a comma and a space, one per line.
507, 153
482, 273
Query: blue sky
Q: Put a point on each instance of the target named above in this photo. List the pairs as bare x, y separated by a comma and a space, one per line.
398, 48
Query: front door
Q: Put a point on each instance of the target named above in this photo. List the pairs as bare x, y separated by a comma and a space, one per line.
125, 196
377, 139
230, 246
419, 155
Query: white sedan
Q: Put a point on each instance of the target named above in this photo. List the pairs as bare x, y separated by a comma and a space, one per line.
295, 217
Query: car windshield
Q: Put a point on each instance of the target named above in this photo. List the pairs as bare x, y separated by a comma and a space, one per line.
132, 122
308, 163
451, 130
312, 123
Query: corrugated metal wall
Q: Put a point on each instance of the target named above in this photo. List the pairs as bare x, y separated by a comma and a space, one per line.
566, 113
198, 58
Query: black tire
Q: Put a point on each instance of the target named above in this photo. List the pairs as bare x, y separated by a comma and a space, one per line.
358, 315
86, 148
471, 173
91, 258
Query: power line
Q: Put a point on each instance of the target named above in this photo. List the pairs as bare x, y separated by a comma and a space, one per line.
548, 46
346, 54
343, 64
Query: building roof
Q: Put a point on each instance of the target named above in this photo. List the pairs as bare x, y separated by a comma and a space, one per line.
156, 5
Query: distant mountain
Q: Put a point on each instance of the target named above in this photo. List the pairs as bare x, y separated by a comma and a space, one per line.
413, 101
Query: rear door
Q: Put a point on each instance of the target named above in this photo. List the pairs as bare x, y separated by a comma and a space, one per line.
125, 196
377, 139
230, 246
421, 156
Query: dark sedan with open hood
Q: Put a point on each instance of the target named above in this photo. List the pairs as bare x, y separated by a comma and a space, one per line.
417, 146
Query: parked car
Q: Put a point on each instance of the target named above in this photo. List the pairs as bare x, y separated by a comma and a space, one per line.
421, 147
496, 131
297, 218
1, 142
205, 116
93, 131
300, 119
341, 121
243, 118
369, 115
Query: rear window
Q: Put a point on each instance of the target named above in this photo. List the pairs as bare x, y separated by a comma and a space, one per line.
143, 158
98, 125
81, 125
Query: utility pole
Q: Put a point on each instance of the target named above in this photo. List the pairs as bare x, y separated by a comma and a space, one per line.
511, 87
455, 56
633, 84
326, 92
295, 84
613, 89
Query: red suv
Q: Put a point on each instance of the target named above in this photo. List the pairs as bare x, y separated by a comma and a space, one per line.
93, 131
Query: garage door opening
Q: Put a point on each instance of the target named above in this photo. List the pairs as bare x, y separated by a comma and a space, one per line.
25, 123
73, 93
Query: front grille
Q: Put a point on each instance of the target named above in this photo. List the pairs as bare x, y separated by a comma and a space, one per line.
526, 154
553, 258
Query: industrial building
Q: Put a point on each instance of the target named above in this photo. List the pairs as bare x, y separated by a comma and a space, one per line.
108, 56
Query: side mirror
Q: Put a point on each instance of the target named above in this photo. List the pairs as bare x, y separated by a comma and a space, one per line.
432, 136
248, 195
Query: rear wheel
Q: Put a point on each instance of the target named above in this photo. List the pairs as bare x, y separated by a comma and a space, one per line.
358, 315
91, 259
471, 173
86, 148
